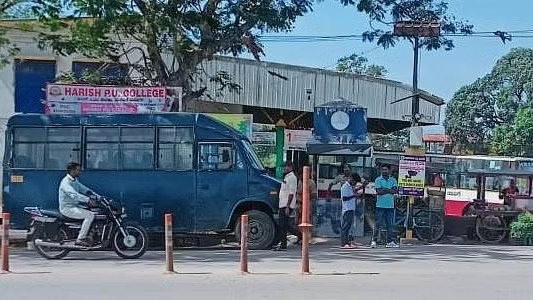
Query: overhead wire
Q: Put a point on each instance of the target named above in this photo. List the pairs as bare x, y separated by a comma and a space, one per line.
521, 34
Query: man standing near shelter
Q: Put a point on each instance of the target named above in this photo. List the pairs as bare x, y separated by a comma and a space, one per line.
287, 204
341, 178
386, 188
349, 194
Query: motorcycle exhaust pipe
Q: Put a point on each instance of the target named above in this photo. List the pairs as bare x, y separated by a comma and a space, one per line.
63, 246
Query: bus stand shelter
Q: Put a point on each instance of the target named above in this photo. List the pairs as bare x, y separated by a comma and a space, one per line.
340, 129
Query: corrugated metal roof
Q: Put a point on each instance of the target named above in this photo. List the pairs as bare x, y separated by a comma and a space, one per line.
274, 85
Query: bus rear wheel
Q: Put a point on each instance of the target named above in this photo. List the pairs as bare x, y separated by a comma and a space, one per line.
261, 230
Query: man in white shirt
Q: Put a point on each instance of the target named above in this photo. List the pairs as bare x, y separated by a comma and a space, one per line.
71, 194
287, 204
349, 194
341, 178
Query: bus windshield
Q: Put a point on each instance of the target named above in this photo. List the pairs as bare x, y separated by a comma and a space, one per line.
252, 157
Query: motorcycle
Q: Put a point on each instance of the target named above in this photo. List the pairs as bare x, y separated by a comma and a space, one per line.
54, 235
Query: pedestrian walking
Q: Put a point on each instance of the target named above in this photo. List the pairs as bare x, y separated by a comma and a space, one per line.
287, 205
386, 189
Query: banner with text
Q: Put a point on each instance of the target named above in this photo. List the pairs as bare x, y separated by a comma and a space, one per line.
297, 139
89, 99
412, 175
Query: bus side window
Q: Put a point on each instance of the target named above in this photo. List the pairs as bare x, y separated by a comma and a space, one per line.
102, 148
137, 148
63, 147
175, 148
29, 147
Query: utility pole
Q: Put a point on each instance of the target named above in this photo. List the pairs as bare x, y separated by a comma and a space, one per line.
415, 30
415, 107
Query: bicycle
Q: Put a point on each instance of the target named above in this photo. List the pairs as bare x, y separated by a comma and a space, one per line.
427, 224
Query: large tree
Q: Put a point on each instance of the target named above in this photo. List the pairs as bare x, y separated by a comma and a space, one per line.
479, 113
383, 14
515, 138
358, 64
165, 42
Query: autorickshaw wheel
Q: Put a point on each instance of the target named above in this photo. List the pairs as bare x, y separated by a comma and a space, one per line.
261, 230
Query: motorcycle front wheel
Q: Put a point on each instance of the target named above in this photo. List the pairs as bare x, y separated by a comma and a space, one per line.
52, 252
134, 244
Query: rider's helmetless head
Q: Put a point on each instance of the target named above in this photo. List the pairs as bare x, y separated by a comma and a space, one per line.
74, 169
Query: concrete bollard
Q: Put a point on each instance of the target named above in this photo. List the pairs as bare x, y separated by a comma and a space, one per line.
244, 244
5, 243
169, 246
306, 221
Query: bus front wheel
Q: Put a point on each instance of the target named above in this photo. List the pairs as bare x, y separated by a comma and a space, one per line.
261, 230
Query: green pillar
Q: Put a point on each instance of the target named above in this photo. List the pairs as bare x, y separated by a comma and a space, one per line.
280, 143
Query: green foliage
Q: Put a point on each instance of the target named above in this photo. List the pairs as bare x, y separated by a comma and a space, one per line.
492, 114
516, 137
386, 12
522, 228
395, 141
165, 41
10, 9
358, 64
91, 77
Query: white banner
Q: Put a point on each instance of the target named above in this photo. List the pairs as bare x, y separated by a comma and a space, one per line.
297, 139
88, 99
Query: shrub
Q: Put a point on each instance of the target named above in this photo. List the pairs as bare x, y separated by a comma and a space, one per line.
522, 228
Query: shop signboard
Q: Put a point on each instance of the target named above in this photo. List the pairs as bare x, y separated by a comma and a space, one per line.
90, 99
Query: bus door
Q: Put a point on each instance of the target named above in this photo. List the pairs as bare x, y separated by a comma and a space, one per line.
222, 180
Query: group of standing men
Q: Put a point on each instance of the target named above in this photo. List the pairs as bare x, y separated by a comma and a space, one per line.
352, 191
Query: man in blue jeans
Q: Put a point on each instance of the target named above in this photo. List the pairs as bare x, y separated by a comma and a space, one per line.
386, 188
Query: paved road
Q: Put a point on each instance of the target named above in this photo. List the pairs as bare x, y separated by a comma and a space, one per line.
422, 272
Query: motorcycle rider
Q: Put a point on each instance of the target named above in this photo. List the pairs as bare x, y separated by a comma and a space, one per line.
72, 193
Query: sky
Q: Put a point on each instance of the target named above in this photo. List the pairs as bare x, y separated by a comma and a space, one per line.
441, 72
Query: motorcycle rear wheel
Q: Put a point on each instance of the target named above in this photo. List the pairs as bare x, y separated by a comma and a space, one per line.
49, 252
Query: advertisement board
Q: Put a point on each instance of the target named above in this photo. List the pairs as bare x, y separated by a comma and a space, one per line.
243, 123
412, 175
297, 139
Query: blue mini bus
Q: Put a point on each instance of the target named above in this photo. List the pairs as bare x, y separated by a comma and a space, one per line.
202, 171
